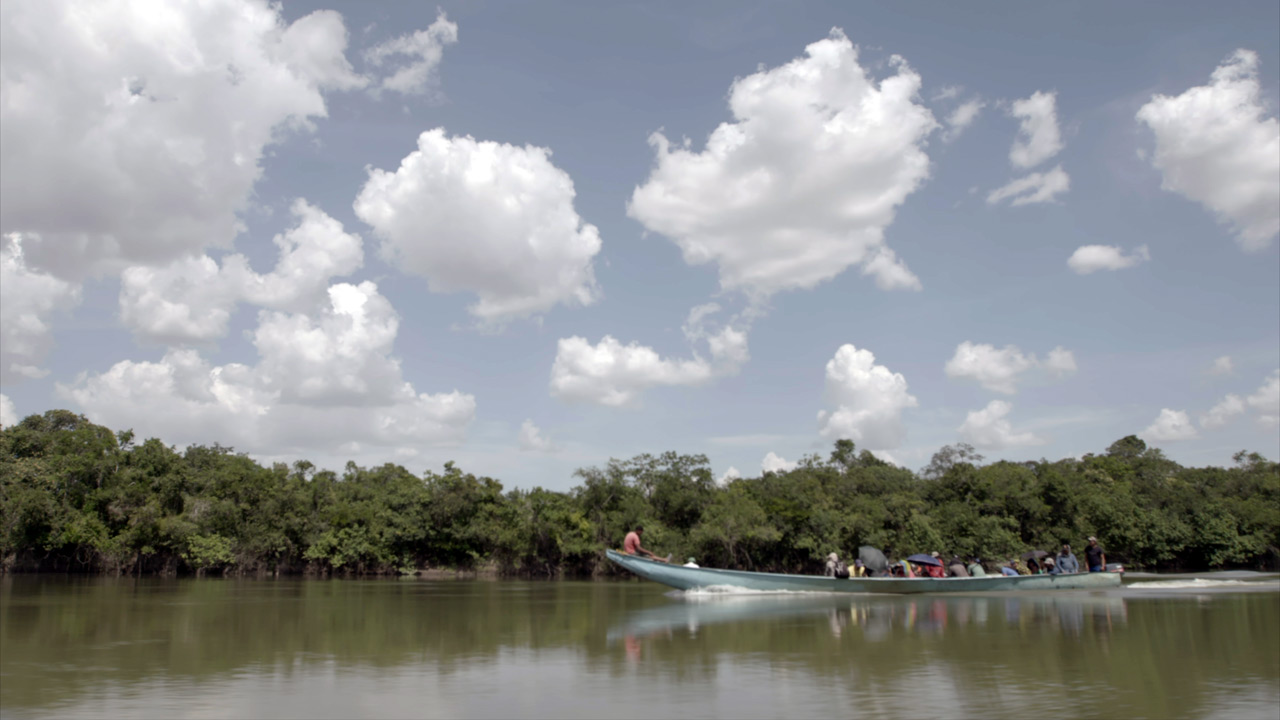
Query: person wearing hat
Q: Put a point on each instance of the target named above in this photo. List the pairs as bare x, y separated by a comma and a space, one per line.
975, 568
1094, 556
691, 563
836, 567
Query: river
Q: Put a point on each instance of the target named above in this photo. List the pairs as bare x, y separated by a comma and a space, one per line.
1159, 647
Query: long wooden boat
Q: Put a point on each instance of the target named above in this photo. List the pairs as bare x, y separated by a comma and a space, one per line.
684, 578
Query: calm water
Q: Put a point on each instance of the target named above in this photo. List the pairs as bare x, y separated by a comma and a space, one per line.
110, 648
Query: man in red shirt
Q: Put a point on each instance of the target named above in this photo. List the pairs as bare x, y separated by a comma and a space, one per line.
631, 544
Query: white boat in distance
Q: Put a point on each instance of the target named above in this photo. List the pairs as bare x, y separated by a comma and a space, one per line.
685, 578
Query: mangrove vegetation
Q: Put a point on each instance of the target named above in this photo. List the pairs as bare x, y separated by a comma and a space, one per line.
79, 497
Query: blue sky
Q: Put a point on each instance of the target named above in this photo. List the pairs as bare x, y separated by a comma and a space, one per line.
1033, 228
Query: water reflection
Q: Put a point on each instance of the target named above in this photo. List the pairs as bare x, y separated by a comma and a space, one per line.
876, 617
163, 648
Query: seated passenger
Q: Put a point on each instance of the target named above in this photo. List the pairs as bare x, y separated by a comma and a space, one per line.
691, 563
859, 569
976, 569
1009, 570
836, 567
956, 567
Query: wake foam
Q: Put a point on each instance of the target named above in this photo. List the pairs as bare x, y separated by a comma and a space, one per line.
722, 591
1194, 583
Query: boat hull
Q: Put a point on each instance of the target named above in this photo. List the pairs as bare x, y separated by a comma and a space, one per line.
683, 578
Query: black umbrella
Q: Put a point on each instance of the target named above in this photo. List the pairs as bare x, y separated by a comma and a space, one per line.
872, 558
1037, 554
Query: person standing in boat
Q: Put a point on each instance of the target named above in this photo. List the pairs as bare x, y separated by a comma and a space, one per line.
1094, 556
1066, 564
631, 545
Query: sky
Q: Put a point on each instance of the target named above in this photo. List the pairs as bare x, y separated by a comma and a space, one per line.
531, 237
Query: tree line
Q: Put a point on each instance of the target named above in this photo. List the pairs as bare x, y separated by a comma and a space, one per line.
76, 496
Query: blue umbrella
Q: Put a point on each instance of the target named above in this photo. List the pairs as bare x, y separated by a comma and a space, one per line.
922, 559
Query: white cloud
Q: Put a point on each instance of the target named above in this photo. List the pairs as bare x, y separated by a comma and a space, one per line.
774, 463
869, 400
423, 51
1266, 400
28, 300
1170, 426
988, 428
949, 92
804, 180
962, 117
1222, 413
532, 440
1033, 188
487, 218
1038, 136
133, 131
729, 476
1215, 145
1222, 366
1060, 363
994, 369
613, 374
1000, 370
728, 345
1091, 258
322, 381
191, 299
9, 416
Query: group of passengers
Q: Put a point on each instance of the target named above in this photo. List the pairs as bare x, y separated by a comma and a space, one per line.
1064, 563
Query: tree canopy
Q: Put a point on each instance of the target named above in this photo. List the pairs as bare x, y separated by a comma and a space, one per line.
75, 496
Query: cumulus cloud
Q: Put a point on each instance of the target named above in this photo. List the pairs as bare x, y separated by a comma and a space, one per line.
1170, 426
1266, 400
487, 218
1092, 258
1216, 145
532, 440
988, 429
1033, 188
962, 117
417, 56
1222, 413
191, 299
869, 400
1060, 363
132, 132
803, 181
1038, 136
610, 373
9, 416
322, 379
28, 301
1222, 366
774, 463
1000, 370
729, 476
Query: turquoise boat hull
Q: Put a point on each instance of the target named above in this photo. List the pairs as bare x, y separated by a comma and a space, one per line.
683, 578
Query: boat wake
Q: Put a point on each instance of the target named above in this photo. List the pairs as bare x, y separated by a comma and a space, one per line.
713, 592
1194, 583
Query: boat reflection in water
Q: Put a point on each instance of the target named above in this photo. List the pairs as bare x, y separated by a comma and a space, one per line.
876, 618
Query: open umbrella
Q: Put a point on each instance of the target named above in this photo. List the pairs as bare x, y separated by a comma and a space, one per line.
1037, 554
873, 559
923, 559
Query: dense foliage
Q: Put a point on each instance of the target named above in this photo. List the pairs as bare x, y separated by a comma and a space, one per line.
76, 496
